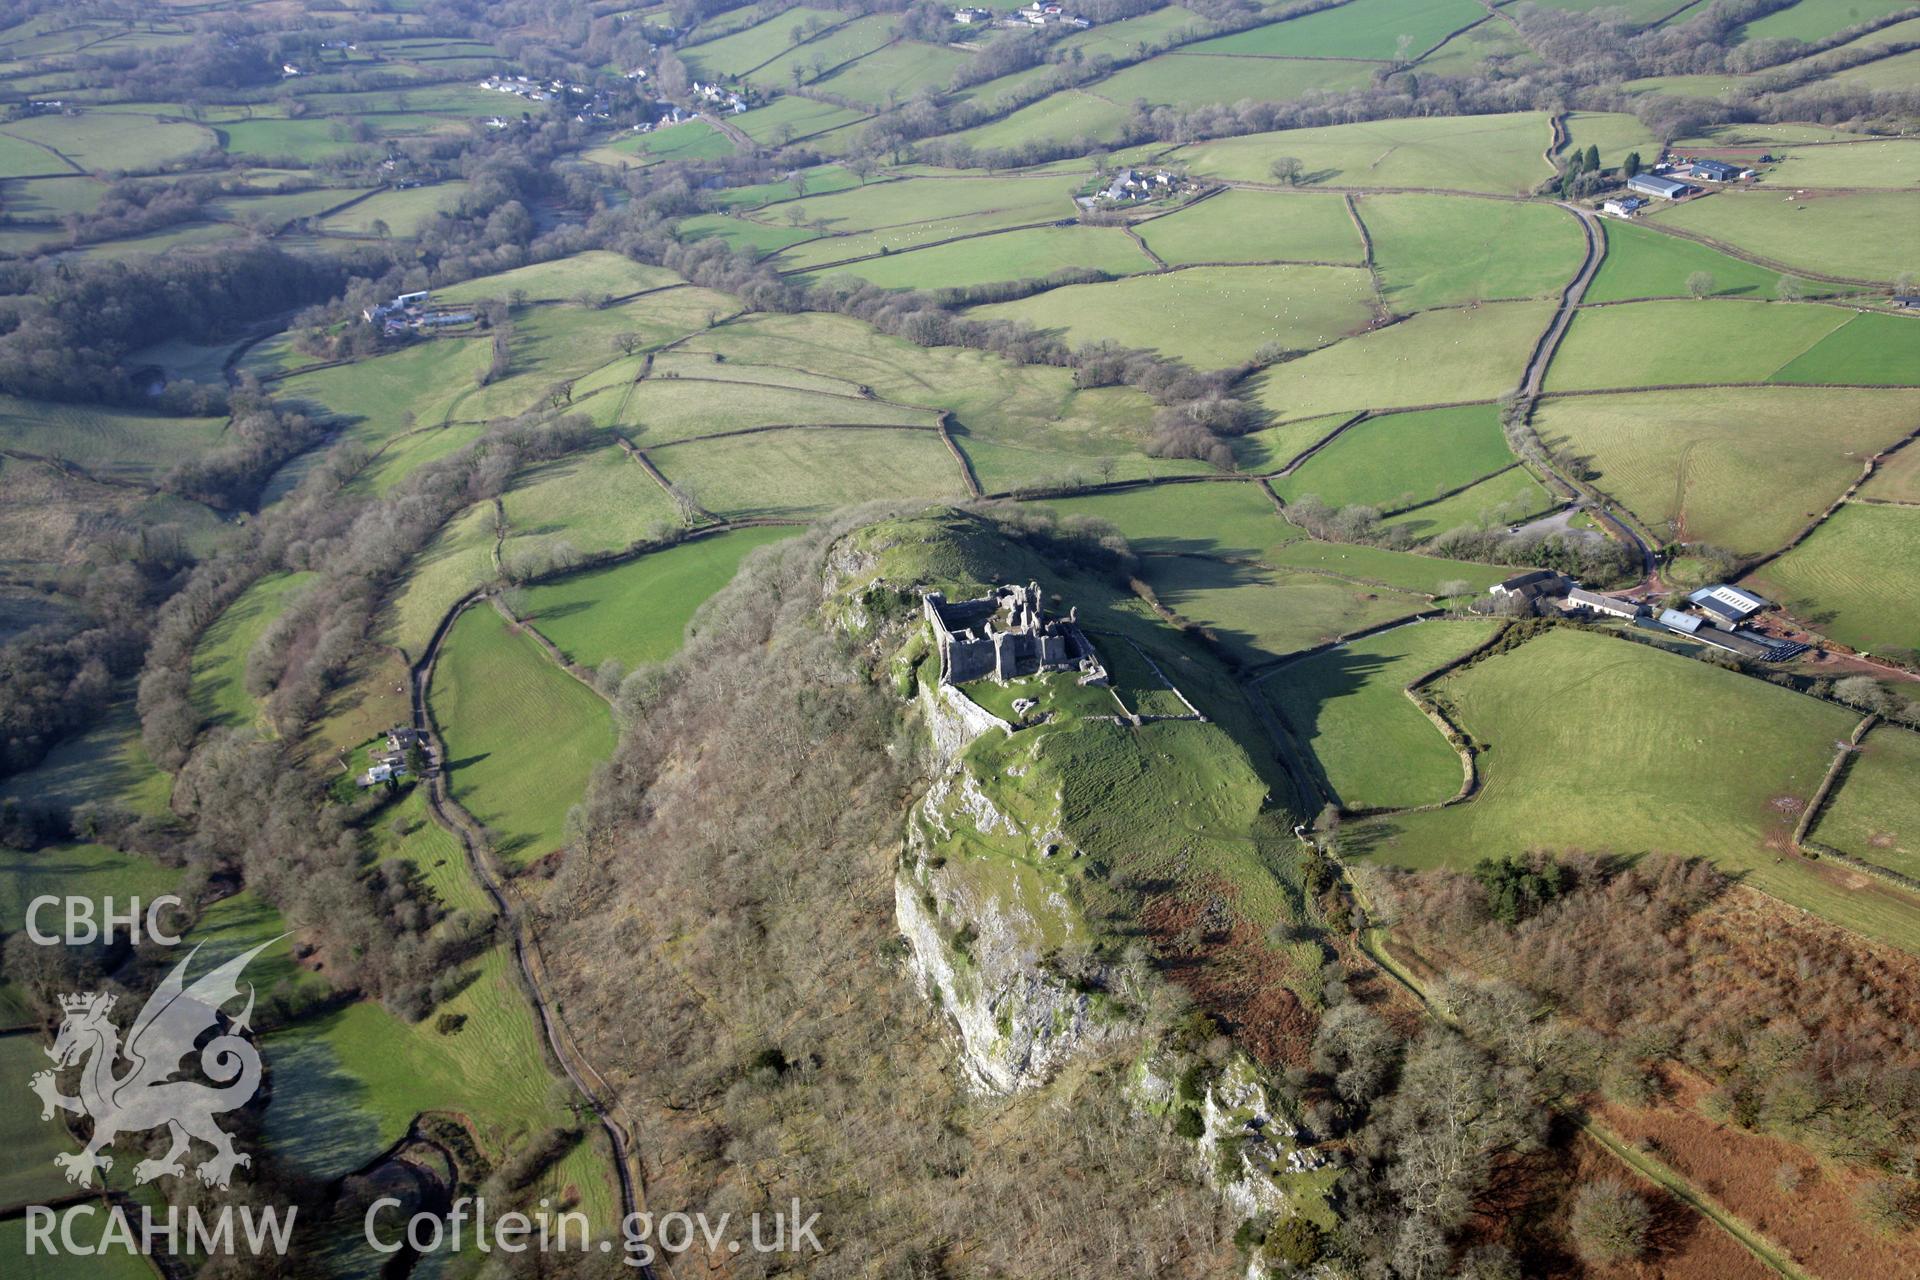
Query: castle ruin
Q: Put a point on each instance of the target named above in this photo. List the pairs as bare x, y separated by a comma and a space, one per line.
1007, 634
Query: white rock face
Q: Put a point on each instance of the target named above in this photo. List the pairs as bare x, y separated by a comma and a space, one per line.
1017, 1022
976, 951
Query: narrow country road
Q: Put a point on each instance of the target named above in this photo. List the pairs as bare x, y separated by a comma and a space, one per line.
1535, 375
448, 813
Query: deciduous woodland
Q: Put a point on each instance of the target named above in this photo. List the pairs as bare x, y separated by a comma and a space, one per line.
1246, 638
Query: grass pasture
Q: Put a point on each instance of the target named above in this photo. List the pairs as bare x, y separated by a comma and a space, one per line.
1645, 751
738, 52
404, 212
808, 471
1855, 579
1897, 479
1403, 458
459, 559
1256, 226
1260, 613
1812, 20
1187, 519
1434, 251
106, 765
1498, 500
563, 279
20, 158
1879, 162
1369, 744
1438, 357
912, 212
600, 500
688, 140
1362, 29
522, 736
1269, 449
1875, 813
1188, 79
100, 142
1494, 154
790, 116
427, 380
893, 73
638, 612
664, 410
1412, 571
116, 444
1738, 468
219, 667
740, 234
1869, 235
1069, 116
1644, 263
1207, 316
1009, 255
1666, 343
1872, 347
27, 1172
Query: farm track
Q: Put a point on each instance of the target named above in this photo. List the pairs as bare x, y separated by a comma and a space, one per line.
1372, 945
527, 956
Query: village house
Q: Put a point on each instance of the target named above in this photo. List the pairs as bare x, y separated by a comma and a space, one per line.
1624, 206
1650, 184
1531, 585
1006, 634
968, 16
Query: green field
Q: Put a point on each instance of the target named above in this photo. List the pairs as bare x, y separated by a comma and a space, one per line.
426, 380
1870, 236
1377, 566
1193, 519
1436, 251
106, 765
914, 213
1667, 343
1589, 742
459, 559
1499, 500
809, 471
1498, 154
665, 409
893, 74
689, 140
1255, 226
220, 657
1358, 29
1008, 255
1872, 347
563, 279
404, 213
1815, 19
22, 159
1875, 813
522, 736
793, 117
586, 502
1403, 458
1897, 479
742, 234
1362, 29
1856, 579
638, 612
117, 444
1737, 468
1440, 357
109, 1260
741, 51
100, 142
1187, 79
1070, 116
1260, 613
1369, 744
1881, 162
848, 41
1643, 263
1267, 450
1207, 316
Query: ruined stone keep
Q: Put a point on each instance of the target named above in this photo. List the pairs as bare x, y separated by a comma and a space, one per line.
1007, 634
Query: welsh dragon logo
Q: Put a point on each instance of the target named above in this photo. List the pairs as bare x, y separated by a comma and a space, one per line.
128, 1087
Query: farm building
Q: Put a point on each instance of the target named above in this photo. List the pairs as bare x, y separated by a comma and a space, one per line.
1725, 606
1624, 206
1685, 623
1594, 602
1648, 184
1006, 634
1718, 171
1907, 301
1529, 585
